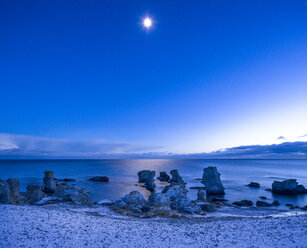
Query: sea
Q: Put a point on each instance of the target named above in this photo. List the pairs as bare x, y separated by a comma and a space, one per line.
235, 175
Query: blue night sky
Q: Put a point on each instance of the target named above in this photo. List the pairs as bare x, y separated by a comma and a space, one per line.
208, 75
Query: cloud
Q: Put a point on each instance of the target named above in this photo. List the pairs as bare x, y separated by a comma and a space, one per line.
286, 150
12, 145
281, 138
23, 146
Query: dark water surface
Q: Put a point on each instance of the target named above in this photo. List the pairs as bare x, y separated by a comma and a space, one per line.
235, 175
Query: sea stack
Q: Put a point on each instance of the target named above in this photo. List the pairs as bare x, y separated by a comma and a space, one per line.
164, 177
144, 175
49, 182
288, 187
211, 180
176, 178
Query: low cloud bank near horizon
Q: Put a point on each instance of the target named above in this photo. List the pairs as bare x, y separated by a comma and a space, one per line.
22, 146
12, 145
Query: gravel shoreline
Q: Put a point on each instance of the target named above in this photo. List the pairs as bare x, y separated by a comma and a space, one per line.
74, 227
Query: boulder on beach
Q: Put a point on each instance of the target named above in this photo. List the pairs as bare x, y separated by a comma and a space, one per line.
133, 202
179, 199
254, 185
290, 187
10, 191
5, 193
72, 194
49, 182
176, 178
243, 203
158, 202
14, 190
34, 193
145, 175
211, 180
208, 207
164, 177
263, 204
102, 179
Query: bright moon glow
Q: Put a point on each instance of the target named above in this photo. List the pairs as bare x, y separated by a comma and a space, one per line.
147, 22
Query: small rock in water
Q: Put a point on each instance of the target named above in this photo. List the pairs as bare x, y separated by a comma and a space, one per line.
145, 174
66, 180
263, 197
263, 204
275, 203
176, 178
217, 199
102, 179
304, 208
243, 203
211, 180
254, 184
49, 182
164, 177
289, 205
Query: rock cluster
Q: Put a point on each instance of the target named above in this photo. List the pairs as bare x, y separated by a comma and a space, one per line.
174, 199
290, 187
254, 185
49, 192
211, 180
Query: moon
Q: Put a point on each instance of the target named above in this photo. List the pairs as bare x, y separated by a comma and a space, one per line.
147, 22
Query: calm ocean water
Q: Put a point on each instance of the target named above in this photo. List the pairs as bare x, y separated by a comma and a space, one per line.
235, 175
